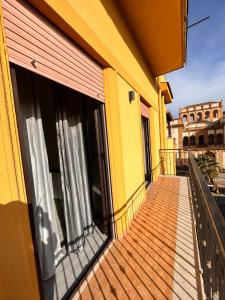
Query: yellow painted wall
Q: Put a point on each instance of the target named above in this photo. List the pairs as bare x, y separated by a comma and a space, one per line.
101, 26
125, 149
131, 134
132, 148
18, 279
155, 142
115, 148
164, 123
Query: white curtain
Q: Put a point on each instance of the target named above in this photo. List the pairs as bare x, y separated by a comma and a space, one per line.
73, 168
48, 242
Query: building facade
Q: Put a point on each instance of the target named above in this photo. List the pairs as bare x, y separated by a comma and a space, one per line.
200, 128
82, 119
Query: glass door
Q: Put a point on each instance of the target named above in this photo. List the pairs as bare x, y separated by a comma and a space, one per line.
65, 159
96, 151
146, 149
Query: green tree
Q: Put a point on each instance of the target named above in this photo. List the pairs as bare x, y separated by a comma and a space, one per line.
209, 167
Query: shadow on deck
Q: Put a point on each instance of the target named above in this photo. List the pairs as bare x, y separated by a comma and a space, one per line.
156, 258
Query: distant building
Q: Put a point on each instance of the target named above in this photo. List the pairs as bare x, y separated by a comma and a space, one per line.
200, 128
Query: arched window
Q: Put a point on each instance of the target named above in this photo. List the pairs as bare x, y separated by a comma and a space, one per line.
199, 116
215, 113
184, 118
192, 140
219, 139
192, 117
207, 115
185, 141
201, 140
211, 139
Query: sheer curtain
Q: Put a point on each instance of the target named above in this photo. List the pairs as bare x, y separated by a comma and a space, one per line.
47, 236
73, 168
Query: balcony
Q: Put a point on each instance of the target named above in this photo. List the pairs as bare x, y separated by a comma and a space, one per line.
156, 258
174, 248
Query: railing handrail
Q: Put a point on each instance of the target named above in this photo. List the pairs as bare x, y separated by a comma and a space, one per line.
215, 216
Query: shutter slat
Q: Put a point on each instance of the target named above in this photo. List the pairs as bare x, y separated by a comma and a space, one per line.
144, 110
16, 29
22, 46
30, 16
22, 60
30, 37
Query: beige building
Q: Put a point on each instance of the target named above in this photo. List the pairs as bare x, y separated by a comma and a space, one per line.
200, 128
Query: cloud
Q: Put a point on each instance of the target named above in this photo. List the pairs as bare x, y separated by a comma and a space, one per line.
197, 85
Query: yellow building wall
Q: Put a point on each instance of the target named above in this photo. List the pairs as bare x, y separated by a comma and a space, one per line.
115, 149
162, 115
132, 148
131, 134
155, 143
18, 279
125, 149
164, 123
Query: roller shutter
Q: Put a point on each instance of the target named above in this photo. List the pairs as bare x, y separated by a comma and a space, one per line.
33, 43
144, 110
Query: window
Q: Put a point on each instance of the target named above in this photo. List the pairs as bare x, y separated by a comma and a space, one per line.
192, 117
207, 115
184, 118
215, 113
146, 148
211, 139
219, 139
185, 141
192, 140
201, 140
199, 116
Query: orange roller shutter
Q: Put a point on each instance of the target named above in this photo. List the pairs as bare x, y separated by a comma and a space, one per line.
144, 110
35, 44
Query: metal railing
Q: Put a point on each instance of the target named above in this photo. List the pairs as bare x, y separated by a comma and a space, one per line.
174, 162
210, 229
209, 221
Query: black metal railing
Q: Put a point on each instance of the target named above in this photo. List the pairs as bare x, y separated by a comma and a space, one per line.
124, 215
210, 229
174, 162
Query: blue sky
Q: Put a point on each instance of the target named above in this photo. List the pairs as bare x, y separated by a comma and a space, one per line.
203, 78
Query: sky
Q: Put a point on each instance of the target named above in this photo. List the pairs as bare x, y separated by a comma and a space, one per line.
203, 77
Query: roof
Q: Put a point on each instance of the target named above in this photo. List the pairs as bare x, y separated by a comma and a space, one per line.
160, 29
166, 91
